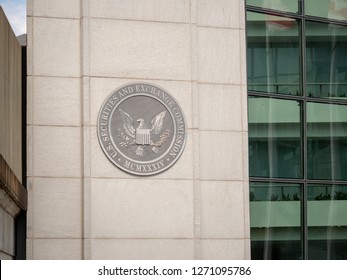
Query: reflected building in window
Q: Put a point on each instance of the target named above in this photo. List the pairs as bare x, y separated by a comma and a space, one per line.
297, 107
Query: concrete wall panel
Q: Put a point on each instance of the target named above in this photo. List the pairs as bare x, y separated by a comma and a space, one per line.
198, 208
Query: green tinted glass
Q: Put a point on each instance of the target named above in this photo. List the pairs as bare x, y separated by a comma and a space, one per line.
332, 9
326, 60
280, 5
327, 141
275, 220
327, 222
274, 138
273, 59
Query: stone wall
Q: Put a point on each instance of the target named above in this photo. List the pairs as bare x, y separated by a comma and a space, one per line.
83, 207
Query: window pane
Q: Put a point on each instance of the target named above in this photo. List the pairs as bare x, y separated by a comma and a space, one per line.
281, 5
326, 60
327, 141
334, 9
327, 222
272, 54
275, 221
274, 138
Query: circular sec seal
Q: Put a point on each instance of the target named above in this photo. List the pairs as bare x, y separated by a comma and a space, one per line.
141, 129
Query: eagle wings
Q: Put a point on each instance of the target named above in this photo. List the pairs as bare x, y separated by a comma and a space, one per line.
128, 124
142, 134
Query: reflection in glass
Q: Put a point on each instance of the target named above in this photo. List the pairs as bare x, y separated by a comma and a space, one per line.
327, 141
326, 60
274, 138
275, 221
272, 54
279, 58
327, 222
332, 9
280, 5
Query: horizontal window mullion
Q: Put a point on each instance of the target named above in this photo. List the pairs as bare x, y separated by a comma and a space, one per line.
325, 20
297, 181
295, 16
276, 95
298, 98
276, 180
273, 12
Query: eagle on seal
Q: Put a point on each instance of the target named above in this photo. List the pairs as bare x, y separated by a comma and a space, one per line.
142, 134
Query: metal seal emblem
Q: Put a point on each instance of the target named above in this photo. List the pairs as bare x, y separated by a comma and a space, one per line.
141, 129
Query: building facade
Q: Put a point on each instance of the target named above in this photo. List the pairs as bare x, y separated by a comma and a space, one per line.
261, 166
81, 206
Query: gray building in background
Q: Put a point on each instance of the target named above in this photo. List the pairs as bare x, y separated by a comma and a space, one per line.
13, 196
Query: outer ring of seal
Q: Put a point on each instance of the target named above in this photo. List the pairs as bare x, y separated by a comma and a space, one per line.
116, 156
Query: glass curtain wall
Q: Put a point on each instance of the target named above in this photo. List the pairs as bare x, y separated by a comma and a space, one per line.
297, 103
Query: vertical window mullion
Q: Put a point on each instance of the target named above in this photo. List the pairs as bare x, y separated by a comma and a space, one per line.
304, 232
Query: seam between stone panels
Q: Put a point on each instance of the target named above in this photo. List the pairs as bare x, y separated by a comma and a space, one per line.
190, 129
55, 77
167, 80
241, 56
138, 178
141, 79
141, 20
52, 76
194, 74
46, 17
221, 130
227, 180
170, 179
94, 126
56, 177
57, 238
85, 129
244, 112
113, 178
110, 19
110, 77
219, 27
55, 125
145, 178
221, 84
142, 238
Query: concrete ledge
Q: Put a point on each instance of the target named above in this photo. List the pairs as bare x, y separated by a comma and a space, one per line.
12, 186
